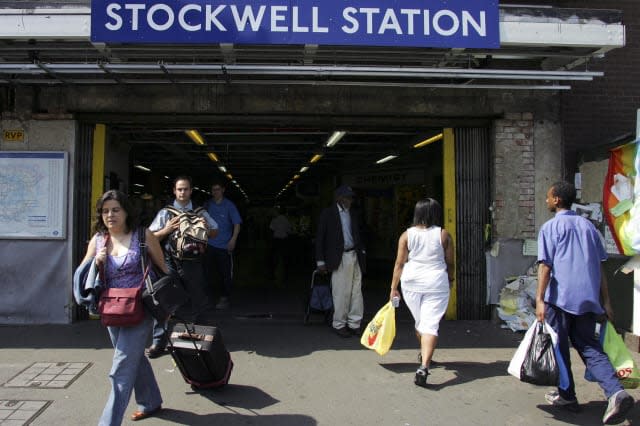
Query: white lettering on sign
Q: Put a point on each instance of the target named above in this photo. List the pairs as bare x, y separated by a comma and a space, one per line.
190, 17
444, 22
184, 23
248, 15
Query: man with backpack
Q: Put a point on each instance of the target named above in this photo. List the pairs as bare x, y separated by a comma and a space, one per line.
183, 232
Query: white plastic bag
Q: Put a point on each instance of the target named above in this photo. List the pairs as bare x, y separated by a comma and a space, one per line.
521, 352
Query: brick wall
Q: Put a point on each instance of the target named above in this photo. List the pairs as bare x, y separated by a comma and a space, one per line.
597, 112
514, 165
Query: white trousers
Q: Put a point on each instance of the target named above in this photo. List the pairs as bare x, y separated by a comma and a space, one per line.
346, 289
427, 309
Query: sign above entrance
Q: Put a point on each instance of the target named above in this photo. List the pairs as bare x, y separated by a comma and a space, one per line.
411, 23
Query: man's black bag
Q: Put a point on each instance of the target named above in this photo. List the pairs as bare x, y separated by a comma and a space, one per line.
539, 366
163, 296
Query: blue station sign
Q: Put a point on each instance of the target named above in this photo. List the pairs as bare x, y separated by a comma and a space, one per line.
411, 23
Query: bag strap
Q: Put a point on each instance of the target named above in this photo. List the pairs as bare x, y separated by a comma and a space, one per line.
172, 210
143, 258
197, 211
101, 269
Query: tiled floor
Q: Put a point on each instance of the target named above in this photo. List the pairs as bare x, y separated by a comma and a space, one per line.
51, 375
20, 413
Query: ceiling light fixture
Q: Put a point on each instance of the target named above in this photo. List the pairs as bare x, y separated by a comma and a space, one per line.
229, 176
429, 140
315, 158
334, 138
385, 159
304, 169
223, 169
296, 177
195, 136
138, 185
213, 156
143, 168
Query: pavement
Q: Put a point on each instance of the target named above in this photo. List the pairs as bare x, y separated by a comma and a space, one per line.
287, 373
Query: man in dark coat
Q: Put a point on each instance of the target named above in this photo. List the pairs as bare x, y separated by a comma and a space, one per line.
339, 251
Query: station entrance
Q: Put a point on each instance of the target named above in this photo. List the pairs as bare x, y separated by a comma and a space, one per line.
269, 166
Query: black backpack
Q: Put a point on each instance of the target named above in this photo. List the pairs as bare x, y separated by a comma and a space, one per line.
189, 241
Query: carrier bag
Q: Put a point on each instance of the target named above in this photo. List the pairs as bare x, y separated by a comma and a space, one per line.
619, 356
380, 332
321, 299
539, 366
200, 355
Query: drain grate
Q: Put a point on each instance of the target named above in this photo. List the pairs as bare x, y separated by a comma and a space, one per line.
48, 375
20, 413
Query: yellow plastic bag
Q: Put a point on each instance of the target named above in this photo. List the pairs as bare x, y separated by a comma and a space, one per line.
621, 358
379, 333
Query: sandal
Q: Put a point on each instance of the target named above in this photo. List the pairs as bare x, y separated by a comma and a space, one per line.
139, 415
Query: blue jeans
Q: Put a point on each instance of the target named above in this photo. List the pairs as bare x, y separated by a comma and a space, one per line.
130, 372
580, 329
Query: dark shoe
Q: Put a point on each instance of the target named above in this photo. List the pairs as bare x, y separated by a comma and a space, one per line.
223, 303
355, 331
155, 352
139, 415
619, 405
421, 377
342, 332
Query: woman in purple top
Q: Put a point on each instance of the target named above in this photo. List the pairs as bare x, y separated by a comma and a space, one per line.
116, 248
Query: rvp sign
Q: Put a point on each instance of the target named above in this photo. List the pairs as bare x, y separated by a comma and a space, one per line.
13, 135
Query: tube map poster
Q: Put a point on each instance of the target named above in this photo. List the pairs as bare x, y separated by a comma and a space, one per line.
33, 194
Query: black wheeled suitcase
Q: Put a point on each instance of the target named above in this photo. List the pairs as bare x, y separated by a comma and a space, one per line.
200, 355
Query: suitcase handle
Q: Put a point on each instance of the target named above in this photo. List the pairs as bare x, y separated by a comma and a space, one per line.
186, 335
190, 336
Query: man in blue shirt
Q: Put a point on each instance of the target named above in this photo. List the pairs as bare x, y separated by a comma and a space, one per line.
220, 249
571, 282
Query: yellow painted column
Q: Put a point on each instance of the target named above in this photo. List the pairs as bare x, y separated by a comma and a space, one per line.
97, 166
449, 177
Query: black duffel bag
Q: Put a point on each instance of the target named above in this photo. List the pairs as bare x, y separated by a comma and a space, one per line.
164, 296
161, 296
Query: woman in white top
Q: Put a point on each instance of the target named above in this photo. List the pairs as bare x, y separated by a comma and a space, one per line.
425, 266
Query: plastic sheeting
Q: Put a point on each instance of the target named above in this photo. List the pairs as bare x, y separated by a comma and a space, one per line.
517, 306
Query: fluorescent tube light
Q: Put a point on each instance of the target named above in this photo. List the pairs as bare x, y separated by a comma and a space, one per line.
385, 159
304, 169
195, 137
213, 156
315, 158
138, 185
334, 138
141, 167
430, 140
